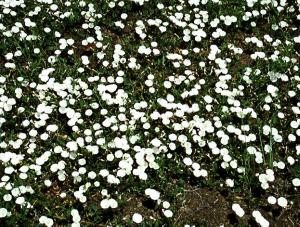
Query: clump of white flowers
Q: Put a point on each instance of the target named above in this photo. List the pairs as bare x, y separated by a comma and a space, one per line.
109, 203
75, 216
46, 221
152, 193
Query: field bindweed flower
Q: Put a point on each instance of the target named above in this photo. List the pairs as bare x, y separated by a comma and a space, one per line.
282, 202
238, 210
296, 182
85, 60
46, 221
168, 213
152, 193
106, 203
137, 218
229, 182
260, 219
3, 212
272, 200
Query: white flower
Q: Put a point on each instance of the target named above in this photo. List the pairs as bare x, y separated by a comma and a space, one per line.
166, 204
54, 168
291, 160
197, 173
104, 172
203, 173
272, 200
208, 99
72, 145
152, 193
187, 161
7, 197
229, 183
48, 222
294, 124
85, 60
47, 183
167, 84
238, 210
160, 6
44, 75
106, 123
75, 224
156, 142
113, 203
75, 216
74, 212
187, 62
291, 137
42, 219
124, 16
282, 202
168, 213
20, 200
296, 182
3, 212
194, 2
281, 165
70, 42
18, 92
105, 203
272, 89
92, 175
137, 218
111, 88
52, 128
260, 219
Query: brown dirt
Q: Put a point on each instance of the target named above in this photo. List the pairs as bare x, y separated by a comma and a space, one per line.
202, 206
205, 207
145, 207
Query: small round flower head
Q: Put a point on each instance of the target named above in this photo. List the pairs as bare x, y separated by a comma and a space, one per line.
296, 182
137, 218
260, 219
105, 204
152, 193
168, 213
75, 215
272, 200
20, 200
238, 210
3, 212
113, 203
282, 202
46, 221
47, 183
85, 60
166, 204
229, 183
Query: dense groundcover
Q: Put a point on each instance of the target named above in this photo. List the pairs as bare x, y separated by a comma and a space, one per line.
149, 112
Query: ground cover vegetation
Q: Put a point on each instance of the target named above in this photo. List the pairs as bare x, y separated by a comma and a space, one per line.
149, 112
